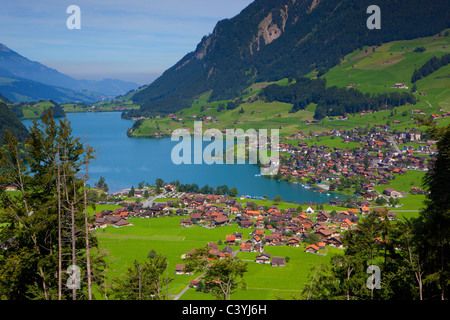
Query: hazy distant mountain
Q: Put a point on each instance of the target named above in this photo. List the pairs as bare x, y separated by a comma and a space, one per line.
24, 68
274, 39
19, 89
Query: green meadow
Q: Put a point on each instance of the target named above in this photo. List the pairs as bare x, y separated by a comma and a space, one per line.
376, 69
166, 236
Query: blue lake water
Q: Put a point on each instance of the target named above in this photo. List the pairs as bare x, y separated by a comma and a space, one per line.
124, 162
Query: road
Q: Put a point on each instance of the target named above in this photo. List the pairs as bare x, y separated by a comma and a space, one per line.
391, 139
149, 202
178, 296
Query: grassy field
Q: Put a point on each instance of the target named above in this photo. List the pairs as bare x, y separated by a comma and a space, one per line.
35, 110
165, 236
376, 69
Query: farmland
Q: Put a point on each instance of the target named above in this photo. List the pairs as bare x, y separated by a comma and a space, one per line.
166, 236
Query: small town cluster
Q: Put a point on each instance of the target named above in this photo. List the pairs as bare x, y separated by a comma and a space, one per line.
376, 157
270, 225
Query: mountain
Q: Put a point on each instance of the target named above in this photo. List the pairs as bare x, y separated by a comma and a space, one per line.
19, 89
274, 39
24, 68
9, 121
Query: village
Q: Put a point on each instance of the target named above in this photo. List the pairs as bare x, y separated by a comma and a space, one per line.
375, 158
307, 228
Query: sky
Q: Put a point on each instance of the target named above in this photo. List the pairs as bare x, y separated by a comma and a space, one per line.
129, 40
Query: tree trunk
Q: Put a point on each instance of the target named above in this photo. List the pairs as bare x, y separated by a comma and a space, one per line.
88, 258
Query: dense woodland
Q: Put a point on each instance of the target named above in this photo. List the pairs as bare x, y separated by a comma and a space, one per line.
333, 101
430, 66
9, 121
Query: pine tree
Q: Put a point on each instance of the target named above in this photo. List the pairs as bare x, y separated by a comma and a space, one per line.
432, 228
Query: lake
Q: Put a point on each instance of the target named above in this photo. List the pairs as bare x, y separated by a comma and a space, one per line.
124, 162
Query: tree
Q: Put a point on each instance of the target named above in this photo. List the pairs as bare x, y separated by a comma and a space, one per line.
381, 201
368, 245
52, 195
159, 182
277, 199
432, 227
221, 277
233, 192
131, 192
143, 281
101, 184
225, 277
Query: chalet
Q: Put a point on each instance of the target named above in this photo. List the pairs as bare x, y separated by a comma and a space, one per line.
246, 247
220, 220
342, 217
194, 283
346, 224
270, 239
179, 269
278, 262
263, 258
392, 193
194, 204
11, 187
258, 232
227, 250
400, 86
312, 248
122, 223
258, 247
252, 213
212, 245
185, 222
337, 202
334, 242
256, 239
217, 253
293, 242
321, 245
155, 210
112, 219
392, 215
147, 214
324, 234
245, 224
100, 222
237, 236
230, 240
319, 225
323, 217
370, 196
